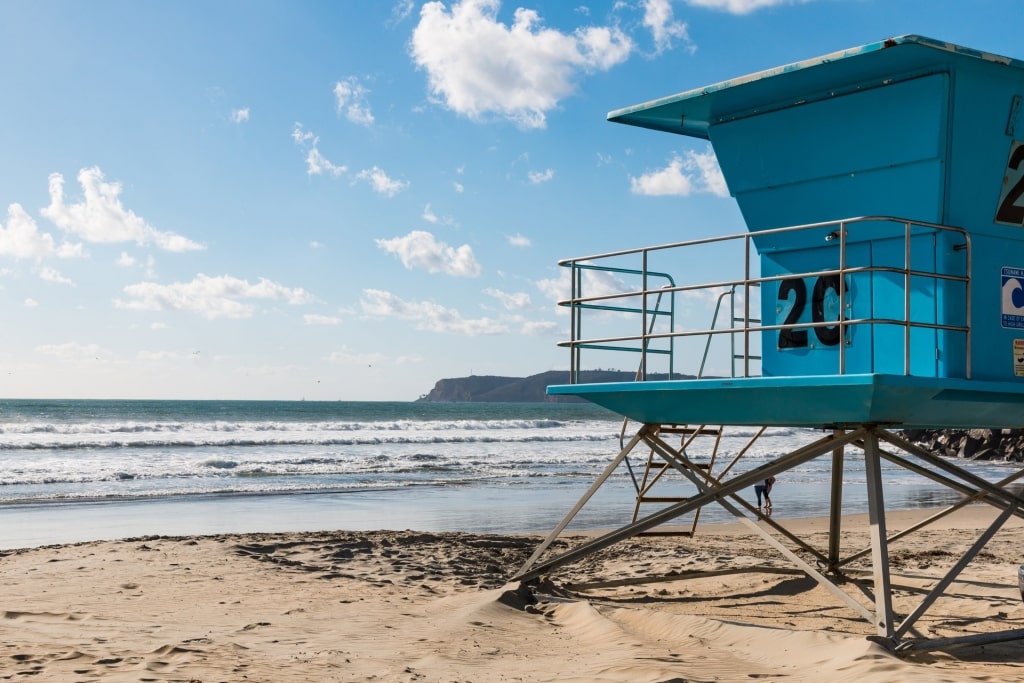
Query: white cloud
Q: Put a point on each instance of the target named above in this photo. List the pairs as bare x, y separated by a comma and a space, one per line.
100, 217
426, 315
158, 326
314, 319
539, 328
73, 351
419, 249
401, 11
428, 215
316, 162
210, 297
52, 275
347, 356
658, 18
240, 115
518, 240
30, 303
696, 172
479, 67
459, 187
538, 177
381, 183
302, 137
350, 96
21, 238
516, 301
126, 260
741, 6
594, 283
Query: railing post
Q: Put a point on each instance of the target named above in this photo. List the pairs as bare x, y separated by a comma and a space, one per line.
746, 305
906, 298
643, 316
842, 297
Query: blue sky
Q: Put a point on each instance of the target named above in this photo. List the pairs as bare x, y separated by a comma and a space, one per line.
351, 200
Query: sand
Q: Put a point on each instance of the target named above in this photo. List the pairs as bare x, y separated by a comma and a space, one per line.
411, 606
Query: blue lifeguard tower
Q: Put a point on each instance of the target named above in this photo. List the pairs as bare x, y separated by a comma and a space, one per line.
879, 287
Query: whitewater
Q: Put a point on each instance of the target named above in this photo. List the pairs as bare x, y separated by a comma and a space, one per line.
195, 466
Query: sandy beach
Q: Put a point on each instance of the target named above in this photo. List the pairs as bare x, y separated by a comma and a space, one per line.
413, 606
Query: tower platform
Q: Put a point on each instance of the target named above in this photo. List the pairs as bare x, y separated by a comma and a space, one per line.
826, 402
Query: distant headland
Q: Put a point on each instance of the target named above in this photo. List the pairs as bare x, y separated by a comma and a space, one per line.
494, 389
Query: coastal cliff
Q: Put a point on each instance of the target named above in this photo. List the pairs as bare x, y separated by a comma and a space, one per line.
495, 389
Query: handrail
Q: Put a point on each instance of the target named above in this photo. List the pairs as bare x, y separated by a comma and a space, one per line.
751, 326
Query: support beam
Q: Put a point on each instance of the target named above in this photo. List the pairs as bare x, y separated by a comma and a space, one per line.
798, 457
583, 500
836, 507
879, 546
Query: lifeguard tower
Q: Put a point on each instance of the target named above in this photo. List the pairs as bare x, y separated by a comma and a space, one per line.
879, 287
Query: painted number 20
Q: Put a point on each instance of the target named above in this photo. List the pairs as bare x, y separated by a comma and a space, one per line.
1009, 211
791, 338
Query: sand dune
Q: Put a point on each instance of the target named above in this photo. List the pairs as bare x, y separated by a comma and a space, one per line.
410, 606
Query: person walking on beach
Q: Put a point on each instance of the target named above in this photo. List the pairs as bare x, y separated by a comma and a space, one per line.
763, 490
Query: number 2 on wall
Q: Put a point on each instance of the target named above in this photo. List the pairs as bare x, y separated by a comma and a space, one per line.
1009, 211
793, 338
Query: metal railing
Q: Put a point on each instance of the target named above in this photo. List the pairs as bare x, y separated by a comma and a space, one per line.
658, 332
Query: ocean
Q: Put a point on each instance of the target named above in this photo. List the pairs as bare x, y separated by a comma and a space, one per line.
76, 470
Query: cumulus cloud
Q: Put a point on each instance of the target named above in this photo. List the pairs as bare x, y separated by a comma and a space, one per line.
52, 275
684, 175
350, 96
513, 301
741, 6
100, 217
381, 182
21, 238
316, 162
540, 328
126, 260
478, 66
594, 283
419, 249
664, 28
211, 297
538, 177
240, 115
73, 351
426, 315
518, 240
459, 187
315, 319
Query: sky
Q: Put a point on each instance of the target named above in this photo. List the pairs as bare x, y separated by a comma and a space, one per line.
351, 200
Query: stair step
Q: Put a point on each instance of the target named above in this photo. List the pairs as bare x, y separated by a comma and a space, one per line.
661, 499
688, 431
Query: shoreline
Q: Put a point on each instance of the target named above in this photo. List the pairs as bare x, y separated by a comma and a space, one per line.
428, 606
486, 508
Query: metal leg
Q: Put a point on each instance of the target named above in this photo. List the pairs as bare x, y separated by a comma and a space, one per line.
583, 500
836, 509
879, 545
